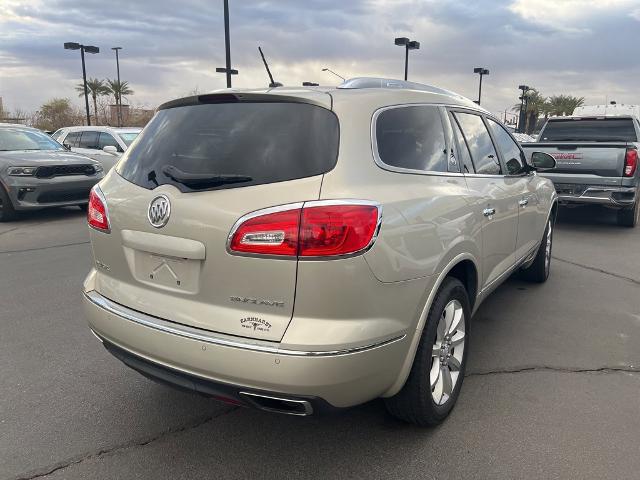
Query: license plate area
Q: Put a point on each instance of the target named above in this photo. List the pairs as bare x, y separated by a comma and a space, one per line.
165, 272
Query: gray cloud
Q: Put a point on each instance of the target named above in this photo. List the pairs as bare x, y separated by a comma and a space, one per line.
171, 47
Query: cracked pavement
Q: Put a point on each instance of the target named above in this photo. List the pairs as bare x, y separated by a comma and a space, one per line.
551, 389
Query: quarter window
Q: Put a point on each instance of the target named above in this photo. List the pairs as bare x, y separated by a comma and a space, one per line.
463, 148
511, 153
480, 145
412, 138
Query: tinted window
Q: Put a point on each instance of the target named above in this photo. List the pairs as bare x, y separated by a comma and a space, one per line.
463, 149
107, 139
211, 146
57, 134
71, 140
590, 129
480, 145
413, 138
128, 138
89, 140
511, 153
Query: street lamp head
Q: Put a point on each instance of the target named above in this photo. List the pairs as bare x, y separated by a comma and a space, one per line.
91, 49
478, 70
116, 48
71, 46
485, 71
413, 45
310, 84
402, 41
524, 88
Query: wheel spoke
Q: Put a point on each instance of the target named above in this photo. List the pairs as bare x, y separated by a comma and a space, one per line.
449, 314
454, 363
435, 351
438, 388
457, 338
457, 317
447, 383
434, 374
441, 330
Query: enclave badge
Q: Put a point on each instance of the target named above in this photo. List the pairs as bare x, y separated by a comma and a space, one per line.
159, 211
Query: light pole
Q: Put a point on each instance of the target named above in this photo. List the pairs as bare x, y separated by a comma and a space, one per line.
331, 71
480, 71
118, 99
523, 107
409, 45
88, 49
228, 70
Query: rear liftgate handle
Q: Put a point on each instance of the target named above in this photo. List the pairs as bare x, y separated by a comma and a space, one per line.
489, 212
524, 202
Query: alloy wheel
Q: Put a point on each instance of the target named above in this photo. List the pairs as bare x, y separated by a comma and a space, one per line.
447, 353
547, 248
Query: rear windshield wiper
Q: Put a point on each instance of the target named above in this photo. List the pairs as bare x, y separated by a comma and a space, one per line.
202, 180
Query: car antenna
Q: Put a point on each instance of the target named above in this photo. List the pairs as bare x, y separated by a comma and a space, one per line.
273, 84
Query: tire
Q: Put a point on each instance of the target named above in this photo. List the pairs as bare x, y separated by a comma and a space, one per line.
628, 217
417, 401
538, 271
7, 212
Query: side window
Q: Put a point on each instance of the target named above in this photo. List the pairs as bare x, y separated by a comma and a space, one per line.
412, 137
480, 145
107, 139
511, 153
71, 140
89, 140
463, 148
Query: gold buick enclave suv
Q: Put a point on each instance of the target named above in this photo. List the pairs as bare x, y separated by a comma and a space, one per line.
302, 250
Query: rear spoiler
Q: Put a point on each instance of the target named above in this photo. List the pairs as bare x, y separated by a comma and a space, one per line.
237, 97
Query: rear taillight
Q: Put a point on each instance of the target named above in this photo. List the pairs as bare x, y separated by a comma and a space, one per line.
97, 215
630, 162
331, 228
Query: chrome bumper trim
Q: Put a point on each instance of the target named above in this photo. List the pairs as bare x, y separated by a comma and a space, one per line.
599, 195
208, 337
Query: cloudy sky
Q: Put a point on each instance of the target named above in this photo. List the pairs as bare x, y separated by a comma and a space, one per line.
171, 47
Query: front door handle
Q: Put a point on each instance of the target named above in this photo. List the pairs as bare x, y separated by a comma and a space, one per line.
489, 212
524, 202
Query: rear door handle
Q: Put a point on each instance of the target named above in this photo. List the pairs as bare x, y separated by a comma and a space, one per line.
489, 212
524, 202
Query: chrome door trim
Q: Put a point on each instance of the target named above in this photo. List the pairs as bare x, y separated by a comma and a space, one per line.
206, 336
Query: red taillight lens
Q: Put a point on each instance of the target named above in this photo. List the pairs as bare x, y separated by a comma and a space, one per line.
337, 229
630, 162
268, 234
327, 230
97, 211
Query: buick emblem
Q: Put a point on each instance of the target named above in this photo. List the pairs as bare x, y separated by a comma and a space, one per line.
159, 211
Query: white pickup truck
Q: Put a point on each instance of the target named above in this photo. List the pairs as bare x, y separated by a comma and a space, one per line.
596, 160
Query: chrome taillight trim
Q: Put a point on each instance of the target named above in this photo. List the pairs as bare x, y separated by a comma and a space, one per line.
300, 206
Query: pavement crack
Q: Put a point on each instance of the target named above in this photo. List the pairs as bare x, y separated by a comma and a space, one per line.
140, 442
45, 248
599, 270
550, 368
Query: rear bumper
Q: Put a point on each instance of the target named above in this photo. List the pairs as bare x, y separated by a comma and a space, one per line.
237, 367
612, 196
28, 193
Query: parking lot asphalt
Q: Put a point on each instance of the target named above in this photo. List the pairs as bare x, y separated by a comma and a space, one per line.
552, 387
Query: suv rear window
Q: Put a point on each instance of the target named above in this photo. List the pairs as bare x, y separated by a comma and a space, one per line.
227, 145
590, 130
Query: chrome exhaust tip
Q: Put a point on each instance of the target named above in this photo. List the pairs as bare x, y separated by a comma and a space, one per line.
301, 408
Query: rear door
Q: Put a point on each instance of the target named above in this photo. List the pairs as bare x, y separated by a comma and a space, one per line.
523, 185
257, 156
493, 201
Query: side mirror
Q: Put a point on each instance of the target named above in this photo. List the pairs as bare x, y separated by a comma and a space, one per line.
542, 161
110, 149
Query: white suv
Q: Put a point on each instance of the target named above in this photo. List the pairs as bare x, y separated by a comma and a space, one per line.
105, 144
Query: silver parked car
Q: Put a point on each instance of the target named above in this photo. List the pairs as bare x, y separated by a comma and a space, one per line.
306, 250
104, 144
37, 172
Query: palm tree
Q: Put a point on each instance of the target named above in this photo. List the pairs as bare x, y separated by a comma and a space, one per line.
563, 105
536, 105
119, 89
95, 87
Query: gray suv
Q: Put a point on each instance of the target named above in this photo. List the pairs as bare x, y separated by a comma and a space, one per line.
37, 172
307, 250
